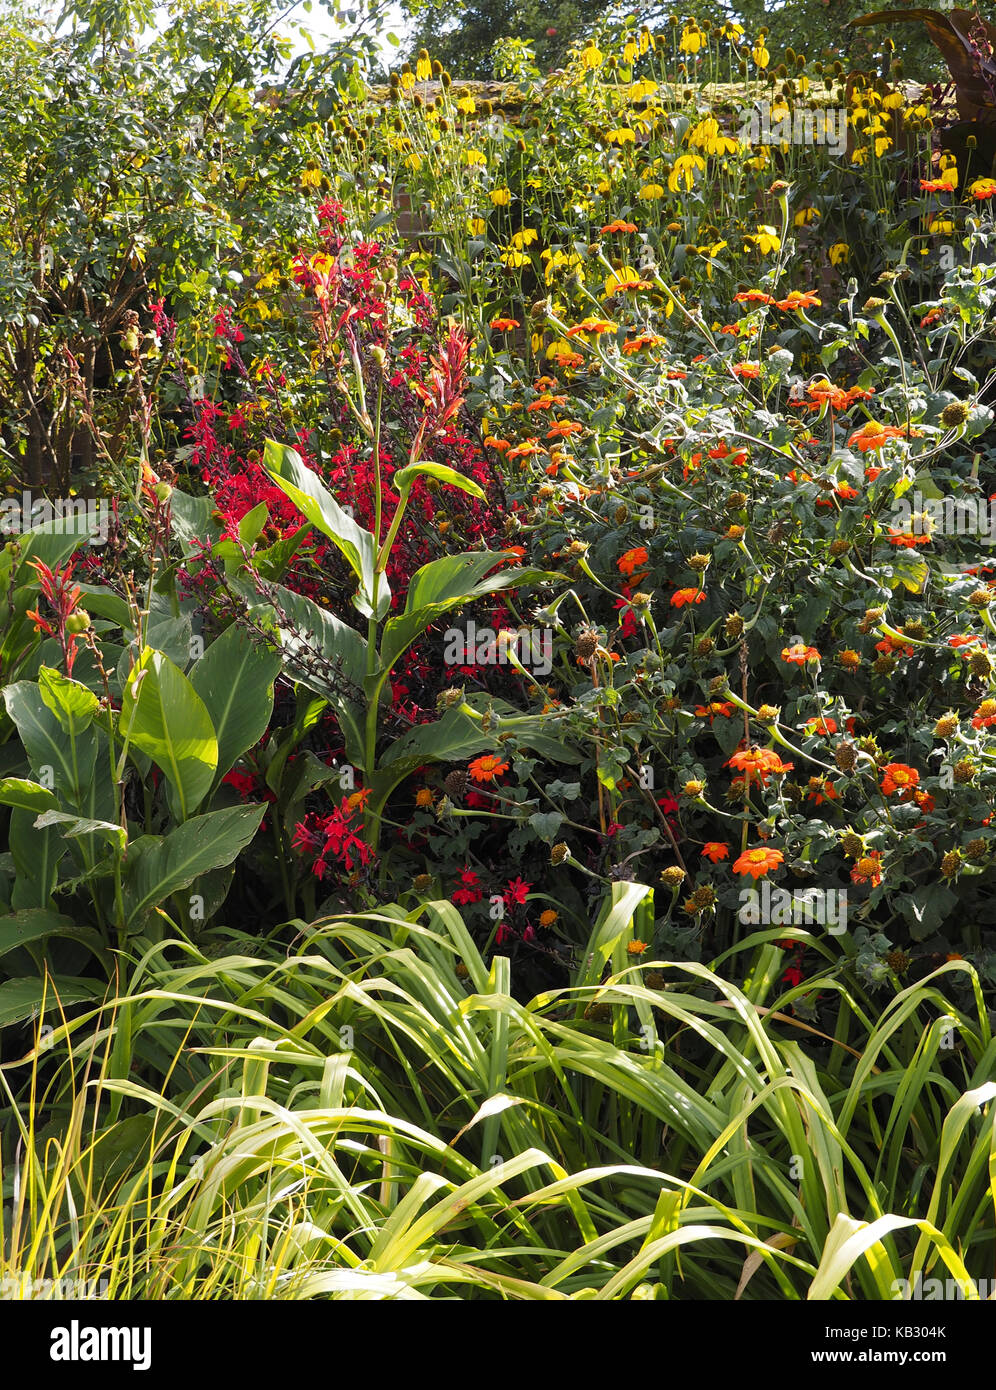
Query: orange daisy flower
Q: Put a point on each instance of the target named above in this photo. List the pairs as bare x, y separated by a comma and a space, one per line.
591, 325
868, 868
563, 429
985, 715
759, 763
618, 226
487, 767
899, 777
632, 561
758, 861
715, 850
873, 435
799, 654
798, 299
747, 371
683, 596
752, 297
504, 325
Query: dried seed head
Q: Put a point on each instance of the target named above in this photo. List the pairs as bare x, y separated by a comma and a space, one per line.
845, 756
955, 414
455, 784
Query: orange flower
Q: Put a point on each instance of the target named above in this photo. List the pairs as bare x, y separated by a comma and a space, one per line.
641, 341
715, 707
563, 429
908, 539
760, 763
545, 401
504, 325
868, 868
752, 297
637, 948
715, 850
961, 639
872, 435
798, 299
758, 861
487, 767
591, 325
945, 184
424, 798
985, 715
683, 596
618, 226
899, 777
821, 726
501, 446
747, 371
526, 449
800, 654
358, 799
632, 560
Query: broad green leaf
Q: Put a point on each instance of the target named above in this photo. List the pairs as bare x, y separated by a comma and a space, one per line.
162, 714
73, 704
312, 498
448, 583
22, 999
34, 924
36, 855
74, 827
29, 796
405, 478
234, 678
159, 866
68, 763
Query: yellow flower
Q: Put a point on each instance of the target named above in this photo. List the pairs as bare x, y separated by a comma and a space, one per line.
649, 192
500, 197
525, 237
766, 239
682, 176
622, 136
591, 57
839, 253
476, 226
515, 260
940, 226
407, 81
467, 105
760, 54
413, 161
311, 178
805, 216
692, 40
708, 136
474, 158
423, 68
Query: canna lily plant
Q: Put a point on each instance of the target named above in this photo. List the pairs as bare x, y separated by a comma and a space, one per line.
361, 665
